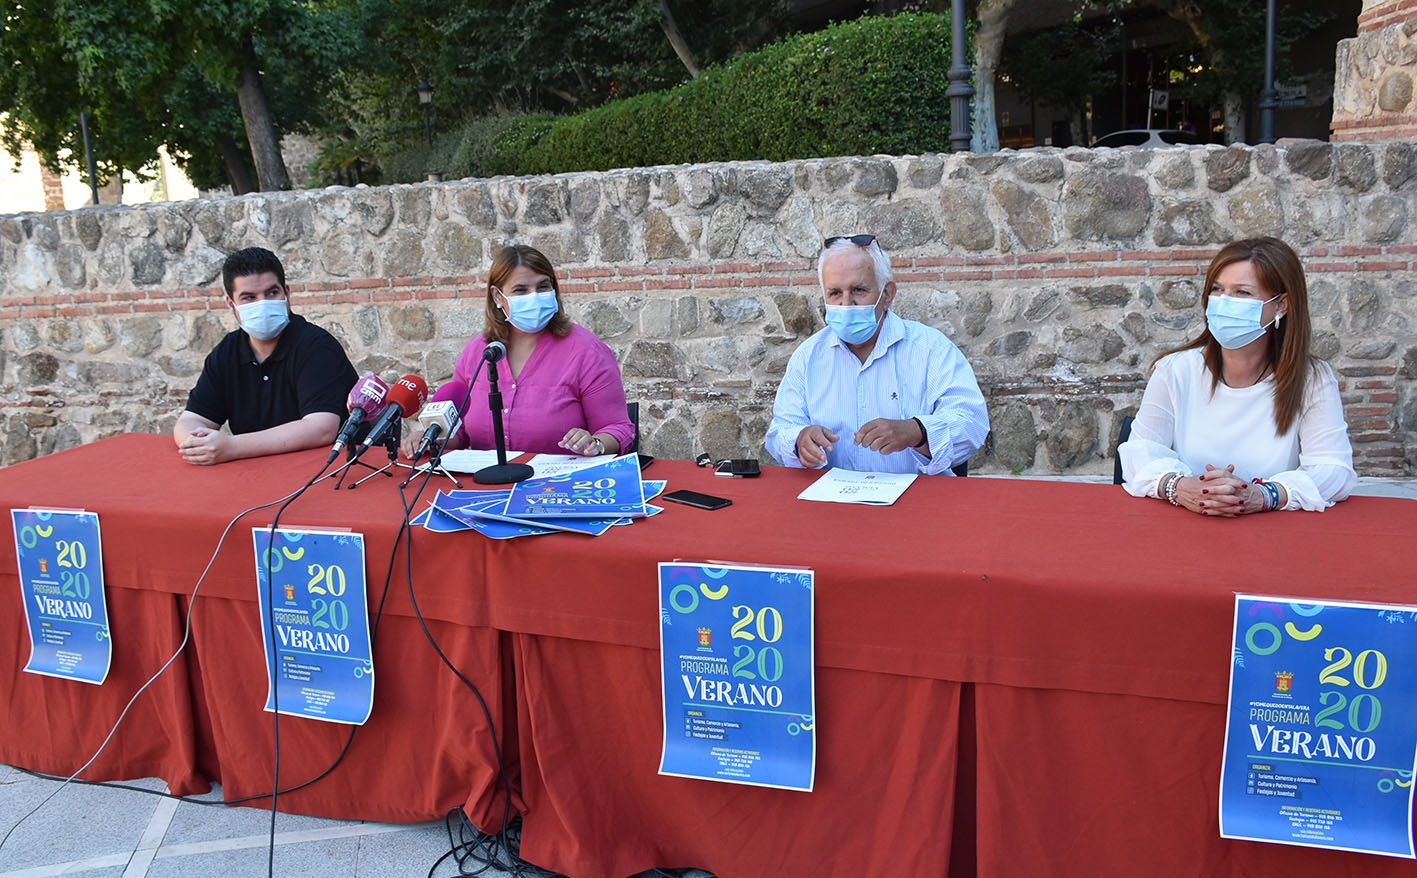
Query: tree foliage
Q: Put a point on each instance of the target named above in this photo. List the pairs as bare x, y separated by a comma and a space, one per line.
160, 72
1061, 66
486, 57
875, 85
1229, 43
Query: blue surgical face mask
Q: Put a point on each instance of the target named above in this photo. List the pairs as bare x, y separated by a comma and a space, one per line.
853, 324
264, 319
530, 312
1235, 321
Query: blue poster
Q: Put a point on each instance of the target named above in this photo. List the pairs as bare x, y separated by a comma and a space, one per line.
60, 559
607, 490
317, 607
1321, 728
735, 645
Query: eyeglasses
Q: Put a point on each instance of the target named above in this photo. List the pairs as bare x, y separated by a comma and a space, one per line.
858, 240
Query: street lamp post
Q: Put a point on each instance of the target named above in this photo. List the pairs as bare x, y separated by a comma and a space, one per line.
88, 154
425, 100
1269, 98
959, 91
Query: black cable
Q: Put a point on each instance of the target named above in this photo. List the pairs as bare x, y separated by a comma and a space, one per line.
482, 702
270, 634
349, 740
274, 664
501, 849
186, 636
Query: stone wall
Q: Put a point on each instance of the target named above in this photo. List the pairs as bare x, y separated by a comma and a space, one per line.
1060, 273
1375, 72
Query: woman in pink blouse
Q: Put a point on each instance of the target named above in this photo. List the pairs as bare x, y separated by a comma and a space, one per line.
563, 392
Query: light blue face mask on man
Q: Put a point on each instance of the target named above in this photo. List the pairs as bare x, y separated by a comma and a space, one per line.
852, 324
530, 312
264, 319
1235, 321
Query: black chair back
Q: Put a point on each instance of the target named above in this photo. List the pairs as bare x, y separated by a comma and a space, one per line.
1122, 436
634, 411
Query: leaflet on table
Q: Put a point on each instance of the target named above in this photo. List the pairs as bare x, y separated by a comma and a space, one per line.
470, 460
1321, 726
315, 624
736, 654
546, 465
848, 486
650, 512
607, 490
60, 555
490, 514
454, 500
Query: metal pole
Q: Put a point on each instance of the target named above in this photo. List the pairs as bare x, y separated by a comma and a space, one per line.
960, 91
428, 124
88, 154
1269, 98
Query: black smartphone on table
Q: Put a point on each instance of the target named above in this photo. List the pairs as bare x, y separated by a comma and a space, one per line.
739, 469
694, 498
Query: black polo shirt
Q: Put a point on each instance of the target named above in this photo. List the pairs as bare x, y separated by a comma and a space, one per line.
308, 372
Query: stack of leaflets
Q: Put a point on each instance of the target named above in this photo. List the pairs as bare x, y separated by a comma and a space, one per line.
590, 500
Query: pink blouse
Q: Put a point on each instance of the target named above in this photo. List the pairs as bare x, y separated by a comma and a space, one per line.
567, 382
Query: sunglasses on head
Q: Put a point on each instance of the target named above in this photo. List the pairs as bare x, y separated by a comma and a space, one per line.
858, 240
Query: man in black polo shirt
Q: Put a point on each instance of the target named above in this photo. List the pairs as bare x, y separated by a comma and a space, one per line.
281, 382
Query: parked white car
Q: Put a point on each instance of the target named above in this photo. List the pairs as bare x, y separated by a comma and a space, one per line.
1150, 138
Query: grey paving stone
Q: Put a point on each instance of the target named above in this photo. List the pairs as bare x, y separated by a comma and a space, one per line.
80, 823
329, 857
196, 823
109, 872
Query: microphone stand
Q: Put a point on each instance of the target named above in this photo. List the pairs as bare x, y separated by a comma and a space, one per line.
391, 445
435, 463
501, 473
351, 450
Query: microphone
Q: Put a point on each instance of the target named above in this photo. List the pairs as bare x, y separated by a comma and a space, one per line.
454, 391
494, 351
438, 418
405, 397
366, 400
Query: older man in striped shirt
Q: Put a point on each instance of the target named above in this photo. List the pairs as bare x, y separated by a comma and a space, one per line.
873, 392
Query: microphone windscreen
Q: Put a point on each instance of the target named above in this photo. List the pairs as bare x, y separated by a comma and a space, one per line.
494, 352
454, 391
369, 394
409, 394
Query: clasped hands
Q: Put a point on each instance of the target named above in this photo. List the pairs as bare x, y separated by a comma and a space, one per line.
1219, 492
204, 447
884, 435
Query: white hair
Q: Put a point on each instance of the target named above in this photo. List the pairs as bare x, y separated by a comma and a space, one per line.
880, 262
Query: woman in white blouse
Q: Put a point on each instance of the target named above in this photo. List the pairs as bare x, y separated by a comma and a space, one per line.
1242, 419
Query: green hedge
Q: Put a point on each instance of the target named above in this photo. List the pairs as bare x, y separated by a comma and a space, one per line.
874, 85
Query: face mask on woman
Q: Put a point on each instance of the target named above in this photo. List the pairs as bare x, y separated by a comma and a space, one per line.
852, 324
530, 312
1234, 321
264, 319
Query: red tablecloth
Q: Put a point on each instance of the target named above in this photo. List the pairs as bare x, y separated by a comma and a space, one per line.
1090, 630
426, 747
1026, 676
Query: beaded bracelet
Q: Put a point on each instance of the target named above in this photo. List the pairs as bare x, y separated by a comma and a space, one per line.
1169, 487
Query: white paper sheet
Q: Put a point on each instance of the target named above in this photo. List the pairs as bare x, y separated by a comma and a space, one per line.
849, 486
